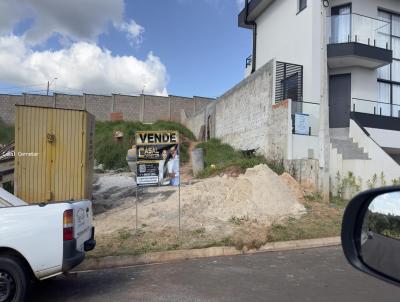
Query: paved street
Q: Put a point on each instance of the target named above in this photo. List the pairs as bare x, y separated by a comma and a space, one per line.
309, 275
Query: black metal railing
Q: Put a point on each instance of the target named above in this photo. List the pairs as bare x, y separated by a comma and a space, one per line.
249, 61
375, 107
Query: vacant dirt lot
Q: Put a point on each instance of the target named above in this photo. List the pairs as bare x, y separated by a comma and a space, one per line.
244, 211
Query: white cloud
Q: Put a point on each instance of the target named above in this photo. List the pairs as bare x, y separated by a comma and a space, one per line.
75, 19
134, 32
80, 64
83, 66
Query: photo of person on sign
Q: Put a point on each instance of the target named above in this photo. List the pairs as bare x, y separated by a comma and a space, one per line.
163, 168
173, 166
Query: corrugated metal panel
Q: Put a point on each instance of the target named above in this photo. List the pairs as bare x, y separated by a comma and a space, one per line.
59, 136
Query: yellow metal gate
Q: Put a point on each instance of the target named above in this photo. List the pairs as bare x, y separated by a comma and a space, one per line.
54, 154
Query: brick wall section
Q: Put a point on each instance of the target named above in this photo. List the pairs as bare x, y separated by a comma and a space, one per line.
101, 106
130, 106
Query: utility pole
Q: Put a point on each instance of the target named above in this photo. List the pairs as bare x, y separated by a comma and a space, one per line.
49, 83
324, 139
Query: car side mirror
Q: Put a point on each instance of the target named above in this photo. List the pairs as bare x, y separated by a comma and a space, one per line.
371, 233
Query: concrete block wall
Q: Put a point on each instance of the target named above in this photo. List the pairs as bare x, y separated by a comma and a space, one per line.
200, 103
131, 106
241, 116
146, 108
305, 171
7, 107
196, 122
279, 132
178, 104
156, 108
69, 101
38, 100
99, 105
242, 113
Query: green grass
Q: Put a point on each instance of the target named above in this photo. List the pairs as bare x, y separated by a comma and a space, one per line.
6, 133
321, 220
223, 156
168, 125
112, 154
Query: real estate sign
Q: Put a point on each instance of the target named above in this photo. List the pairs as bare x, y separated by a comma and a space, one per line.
157, 158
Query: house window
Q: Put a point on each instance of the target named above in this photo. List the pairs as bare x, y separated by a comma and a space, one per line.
302, 5
340, 24
389, 75
289, 84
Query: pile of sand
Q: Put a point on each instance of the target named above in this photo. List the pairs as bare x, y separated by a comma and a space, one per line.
258, 195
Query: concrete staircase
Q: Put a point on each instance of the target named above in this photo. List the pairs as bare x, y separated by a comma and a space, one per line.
345, 146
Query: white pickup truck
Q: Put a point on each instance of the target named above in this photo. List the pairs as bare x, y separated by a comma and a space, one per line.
40, 241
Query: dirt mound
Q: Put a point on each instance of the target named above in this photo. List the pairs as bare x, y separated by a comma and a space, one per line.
216, 204
293, 185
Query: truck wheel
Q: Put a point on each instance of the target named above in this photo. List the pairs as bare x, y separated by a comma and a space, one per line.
14, 280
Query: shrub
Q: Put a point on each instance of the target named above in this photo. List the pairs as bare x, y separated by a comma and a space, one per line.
6, 133
112, 154
219, 157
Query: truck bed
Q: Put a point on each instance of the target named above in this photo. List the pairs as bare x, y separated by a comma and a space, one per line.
9, 200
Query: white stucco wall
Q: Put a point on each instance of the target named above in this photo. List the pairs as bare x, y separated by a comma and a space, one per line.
301, 144
364, 84
294, 38
385, 138
380, 162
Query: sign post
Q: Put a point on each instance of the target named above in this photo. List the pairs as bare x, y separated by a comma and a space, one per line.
157, 162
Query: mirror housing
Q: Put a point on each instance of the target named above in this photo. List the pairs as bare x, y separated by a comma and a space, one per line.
353, 220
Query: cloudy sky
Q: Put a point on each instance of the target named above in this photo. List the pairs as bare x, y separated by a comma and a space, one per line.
179, 47
388, 203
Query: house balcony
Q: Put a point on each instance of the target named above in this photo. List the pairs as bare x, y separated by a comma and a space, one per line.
356, 40
376, 109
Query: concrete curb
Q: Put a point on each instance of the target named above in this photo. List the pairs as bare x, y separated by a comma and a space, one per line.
170, 256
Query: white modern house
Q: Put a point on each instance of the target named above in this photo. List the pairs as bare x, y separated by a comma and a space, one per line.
339, 64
